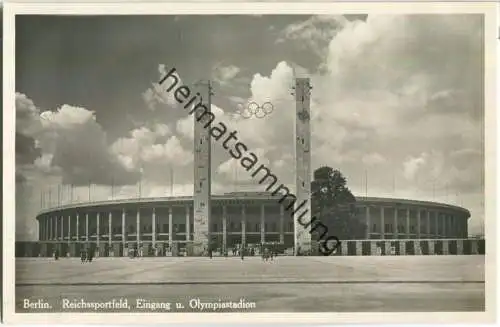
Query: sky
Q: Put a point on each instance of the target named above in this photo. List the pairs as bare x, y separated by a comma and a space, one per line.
396, 105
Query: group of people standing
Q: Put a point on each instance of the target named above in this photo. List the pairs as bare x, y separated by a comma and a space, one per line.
265, 252
86, 255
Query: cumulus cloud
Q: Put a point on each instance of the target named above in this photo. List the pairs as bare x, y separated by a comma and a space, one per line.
169, 152
413, 165
314, 33
67, 140
26, 150
156, 96
150, 146
390, 98
275, 87
224, 74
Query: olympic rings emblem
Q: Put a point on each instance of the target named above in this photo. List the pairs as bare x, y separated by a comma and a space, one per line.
253, 109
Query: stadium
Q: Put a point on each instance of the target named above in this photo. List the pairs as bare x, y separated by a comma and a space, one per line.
164, 226
250, 221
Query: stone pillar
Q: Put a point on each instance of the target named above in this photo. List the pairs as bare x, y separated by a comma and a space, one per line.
460, 247
98, 230
202, 176
243, 226
450, 226
382, 221
457, 227
57, 228
446, 247
224, 227
124, 229
62, 228
302, 237
428, 224
77, 227
368, 222
153, 229
436, 223
419, 213
170, 228
262, 224
281, 224
138, 227
396, 223
69, 228
110, 228
51, 228
445, 225
407, 222
87, 227
188, 225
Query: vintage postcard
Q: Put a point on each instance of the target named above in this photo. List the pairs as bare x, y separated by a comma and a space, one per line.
249, 162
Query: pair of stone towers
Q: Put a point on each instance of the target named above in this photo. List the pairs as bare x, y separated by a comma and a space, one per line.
202, 168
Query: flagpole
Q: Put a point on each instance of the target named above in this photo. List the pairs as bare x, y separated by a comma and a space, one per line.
171, 181
366, 183
90, 184
140, 187
394, 184
235, 178
58, 195
140, 184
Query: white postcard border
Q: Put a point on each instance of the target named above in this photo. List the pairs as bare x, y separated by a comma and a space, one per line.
491, 26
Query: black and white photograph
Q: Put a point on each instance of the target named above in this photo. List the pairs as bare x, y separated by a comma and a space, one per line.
330, 161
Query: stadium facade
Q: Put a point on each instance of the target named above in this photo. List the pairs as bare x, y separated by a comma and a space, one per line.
162, 226
156, 226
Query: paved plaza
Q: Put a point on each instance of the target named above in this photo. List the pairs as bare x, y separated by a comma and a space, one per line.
295, 284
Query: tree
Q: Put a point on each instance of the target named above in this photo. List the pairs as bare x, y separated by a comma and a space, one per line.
334, 205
